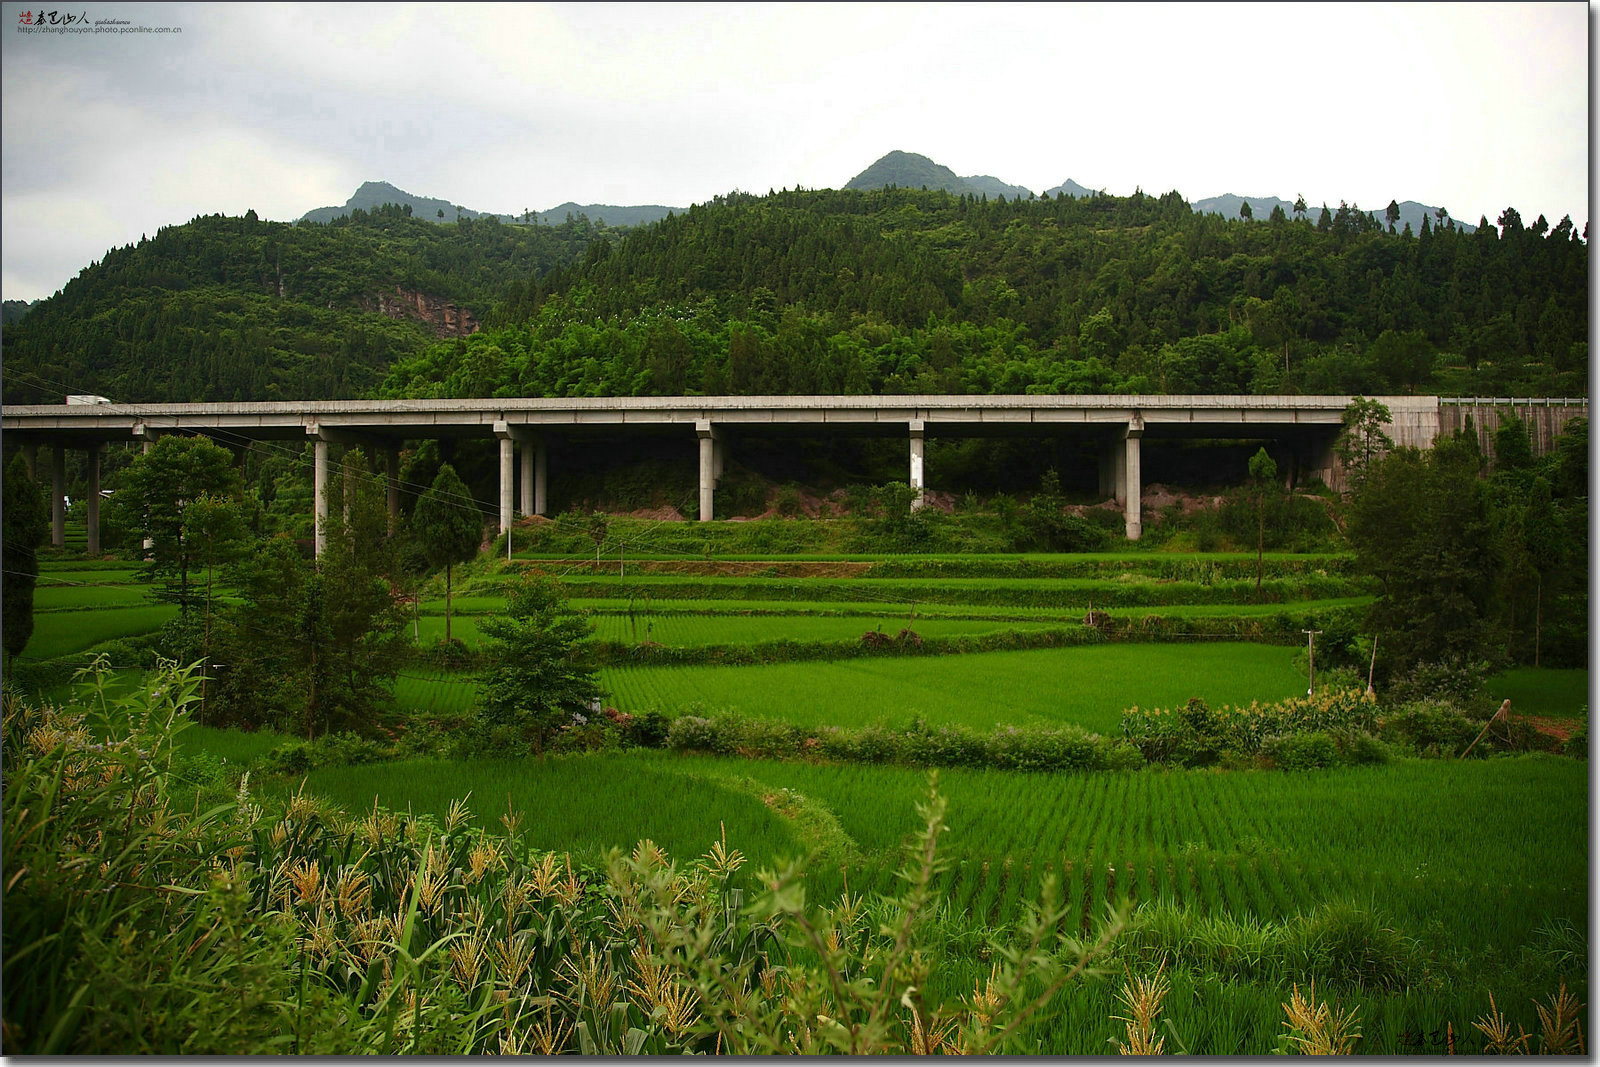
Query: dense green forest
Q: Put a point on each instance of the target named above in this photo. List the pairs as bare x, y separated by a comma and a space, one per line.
898, 290
854, 291
225, 308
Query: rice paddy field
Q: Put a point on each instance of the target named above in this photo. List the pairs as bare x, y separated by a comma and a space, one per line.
1089, 686
1224, 871
1409, 891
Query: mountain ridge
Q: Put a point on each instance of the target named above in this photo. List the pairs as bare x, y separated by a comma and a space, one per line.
913, 170
374, 194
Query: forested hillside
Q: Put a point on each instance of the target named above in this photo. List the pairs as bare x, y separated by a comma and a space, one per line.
903, 290
237, 308
852, 291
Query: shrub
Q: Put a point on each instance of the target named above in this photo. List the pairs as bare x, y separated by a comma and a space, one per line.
876, 744
1113, 754
1043, 748
647, 729
690, 733
1301, 752
1578, 744
1456, 680
1429, 727
762, 738
332, 750
1361, 748
950, 745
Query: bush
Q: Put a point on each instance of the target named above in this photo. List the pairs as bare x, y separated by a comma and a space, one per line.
332, 750
1456, 680
1112, 754
876, 744
951, 745
1577, 745
691, 733
1043, 748
1429, 728
646, 730
1361, 748
1302, 752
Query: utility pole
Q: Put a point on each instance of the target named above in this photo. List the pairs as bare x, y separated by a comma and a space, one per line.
1311, 659
1372, 666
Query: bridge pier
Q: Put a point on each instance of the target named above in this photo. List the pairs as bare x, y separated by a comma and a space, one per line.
58, 490
710, 467
319, 489
917, 478
508, 450
391, 463
349, 495
533, 463
92, 547
1128, 477
146, 435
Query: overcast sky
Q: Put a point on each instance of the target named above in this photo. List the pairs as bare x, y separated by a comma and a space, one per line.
287, 107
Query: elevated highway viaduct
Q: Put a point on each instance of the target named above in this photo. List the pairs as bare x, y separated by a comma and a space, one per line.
1116, 425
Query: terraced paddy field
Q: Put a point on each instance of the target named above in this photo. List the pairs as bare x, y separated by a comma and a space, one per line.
1408, 891
890, 611
1090, 686
53, 597
62, 633
1062, 594
1543, 691
1231, 875
695, 631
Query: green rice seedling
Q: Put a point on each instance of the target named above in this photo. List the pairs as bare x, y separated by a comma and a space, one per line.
567, 812
1560, 693
238, 747
1089, 686
49, 598
63, 633
691, 631
436, 691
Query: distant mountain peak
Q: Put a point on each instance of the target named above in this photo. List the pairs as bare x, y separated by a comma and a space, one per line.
1073, 189
909, 170
373, 194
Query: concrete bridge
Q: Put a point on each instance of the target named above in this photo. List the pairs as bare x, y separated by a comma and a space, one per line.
1306, 426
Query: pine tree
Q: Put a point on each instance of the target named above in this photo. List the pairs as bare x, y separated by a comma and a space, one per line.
539, 681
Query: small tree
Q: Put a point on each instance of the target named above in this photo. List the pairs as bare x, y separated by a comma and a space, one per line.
1362, 440
1263, 480
158, 491
215, 528
540, 680
449, 527
26, 522
598, 529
